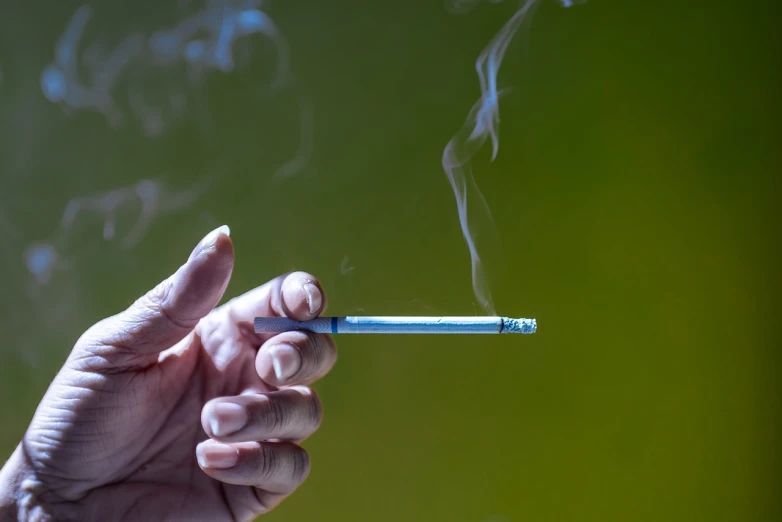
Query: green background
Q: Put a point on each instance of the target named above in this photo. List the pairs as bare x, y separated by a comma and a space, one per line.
635, 193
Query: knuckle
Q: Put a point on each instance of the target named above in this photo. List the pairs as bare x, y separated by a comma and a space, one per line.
263, 505
301, 465
155, 298
273, 298
317, 352
315, 409
268, 464
158, 301
273, 414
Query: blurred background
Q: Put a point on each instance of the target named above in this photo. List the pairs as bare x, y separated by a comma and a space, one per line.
634, 195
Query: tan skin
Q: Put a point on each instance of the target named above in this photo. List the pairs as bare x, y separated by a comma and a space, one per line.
175, 409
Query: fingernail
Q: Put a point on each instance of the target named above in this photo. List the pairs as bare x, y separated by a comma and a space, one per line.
226, 418
314, 298
285, 361
209, 240
216, 455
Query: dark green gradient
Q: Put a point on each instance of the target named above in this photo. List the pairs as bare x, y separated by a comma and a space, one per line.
635, 192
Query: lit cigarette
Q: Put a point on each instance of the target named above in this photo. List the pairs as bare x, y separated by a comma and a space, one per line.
399, 325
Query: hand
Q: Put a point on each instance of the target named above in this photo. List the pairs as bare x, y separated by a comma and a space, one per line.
175, 410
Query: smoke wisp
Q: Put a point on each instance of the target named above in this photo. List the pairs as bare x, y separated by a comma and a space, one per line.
482, 125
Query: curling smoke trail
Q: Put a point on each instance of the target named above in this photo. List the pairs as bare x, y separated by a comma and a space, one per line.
481, 124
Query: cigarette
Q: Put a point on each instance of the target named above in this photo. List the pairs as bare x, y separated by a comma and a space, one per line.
399, 325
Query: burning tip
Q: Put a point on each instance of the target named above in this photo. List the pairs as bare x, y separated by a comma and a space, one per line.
523, 326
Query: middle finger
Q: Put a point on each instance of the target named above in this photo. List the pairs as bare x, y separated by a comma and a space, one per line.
295, 357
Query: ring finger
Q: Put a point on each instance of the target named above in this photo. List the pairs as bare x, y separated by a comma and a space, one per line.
290, 414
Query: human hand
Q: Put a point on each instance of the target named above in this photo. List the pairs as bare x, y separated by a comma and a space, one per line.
175, 409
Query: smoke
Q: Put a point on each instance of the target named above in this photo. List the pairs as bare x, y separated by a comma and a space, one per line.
204, 41
482, 124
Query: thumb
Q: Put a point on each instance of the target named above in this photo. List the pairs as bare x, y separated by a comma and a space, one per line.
168, 312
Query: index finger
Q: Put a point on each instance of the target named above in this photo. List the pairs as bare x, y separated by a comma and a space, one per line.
297, 295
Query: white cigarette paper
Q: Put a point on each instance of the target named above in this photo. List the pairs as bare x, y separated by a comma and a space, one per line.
399, 325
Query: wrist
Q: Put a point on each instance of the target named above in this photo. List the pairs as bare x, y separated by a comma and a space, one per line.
11, 477
21, 491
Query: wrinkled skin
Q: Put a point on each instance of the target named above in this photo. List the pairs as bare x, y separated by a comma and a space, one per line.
120, 433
